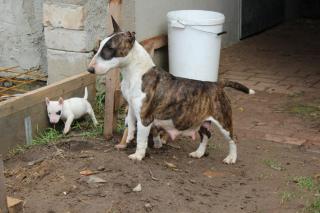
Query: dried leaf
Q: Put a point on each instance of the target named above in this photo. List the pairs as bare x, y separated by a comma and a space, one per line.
211, 174
86, 172
170, 165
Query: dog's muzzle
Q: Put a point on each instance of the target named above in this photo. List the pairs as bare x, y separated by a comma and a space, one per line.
91, 70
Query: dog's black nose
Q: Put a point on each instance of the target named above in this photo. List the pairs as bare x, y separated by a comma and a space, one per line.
91, 70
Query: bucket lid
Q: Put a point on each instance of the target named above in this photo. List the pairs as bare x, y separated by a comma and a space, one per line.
196, 17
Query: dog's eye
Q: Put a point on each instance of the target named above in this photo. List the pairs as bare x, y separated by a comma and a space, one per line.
107, 53
59, 112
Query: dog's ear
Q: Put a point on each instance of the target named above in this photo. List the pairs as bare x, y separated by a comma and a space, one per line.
47, 100
115, 25
131, 36
97, 45
60, 101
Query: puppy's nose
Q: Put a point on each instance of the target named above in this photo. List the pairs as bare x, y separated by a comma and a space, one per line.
91, 70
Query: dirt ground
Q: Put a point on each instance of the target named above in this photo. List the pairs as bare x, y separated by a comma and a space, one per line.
265, 178
279, 176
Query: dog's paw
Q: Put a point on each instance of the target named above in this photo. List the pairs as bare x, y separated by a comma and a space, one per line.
230, 159
157, 144
195, 154
136, 157
120, 146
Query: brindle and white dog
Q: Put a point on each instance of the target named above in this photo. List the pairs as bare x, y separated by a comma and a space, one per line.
155, 97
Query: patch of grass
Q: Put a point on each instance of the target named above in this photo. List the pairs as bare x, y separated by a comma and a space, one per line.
49, 135
87, 130
314, 207
305, 110
121, 120
305, 182
100, 98
274, 164
287, 196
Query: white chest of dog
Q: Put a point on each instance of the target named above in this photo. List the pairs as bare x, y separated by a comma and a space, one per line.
69, 109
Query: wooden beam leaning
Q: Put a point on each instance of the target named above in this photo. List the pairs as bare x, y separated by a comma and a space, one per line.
3, 196
151, 44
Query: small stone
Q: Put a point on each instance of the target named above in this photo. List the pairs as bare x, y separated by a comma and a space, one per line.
148, 207
95, 179
138, 188
101, 168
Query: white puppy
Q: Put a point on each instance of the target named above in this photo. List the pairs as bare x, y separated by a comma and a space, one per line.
69, 109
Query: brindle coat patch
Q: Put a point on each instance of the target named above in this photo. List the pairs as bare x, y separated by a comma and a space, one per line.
186, 102
119, 45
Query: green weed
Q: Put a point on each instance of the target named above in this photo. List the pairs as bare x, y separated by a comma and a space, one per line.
287, 196
304, 182
314, 207
274, 164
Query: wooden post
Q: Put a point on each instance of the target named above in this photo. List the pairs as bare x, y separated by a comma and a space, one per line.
109, 103
112, 79
3, 196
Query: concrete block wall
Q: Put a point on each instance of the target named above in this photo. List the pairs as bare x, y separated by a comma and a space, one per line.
21, 36
71, 31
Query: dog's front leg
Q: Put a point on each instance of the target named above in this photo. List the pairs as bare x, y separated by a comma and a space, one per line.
142, 141
131, 122
68, 124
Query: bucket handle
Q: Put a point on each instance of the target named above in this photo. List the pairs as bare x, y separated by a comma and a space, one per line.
181, 24
221, 33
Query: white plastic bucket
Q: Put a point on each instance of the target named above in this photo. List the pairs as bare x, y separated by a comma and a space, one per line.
194, 41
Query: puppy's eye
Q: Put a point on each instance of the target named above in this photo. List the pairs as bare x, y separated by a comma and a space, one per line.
59, 112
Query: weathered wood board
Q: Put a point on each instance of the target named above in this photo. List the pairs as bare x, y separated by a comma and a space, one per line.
25, 116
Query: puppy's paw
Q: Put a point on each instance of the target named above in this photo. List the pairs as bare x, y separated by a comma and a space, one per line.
230, 159
136, 157
65, 131
195, 154
120, 146
157, 145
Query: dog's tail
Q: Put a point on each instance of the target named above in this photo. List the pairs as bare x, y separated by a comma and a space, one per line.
85, 93
237, 86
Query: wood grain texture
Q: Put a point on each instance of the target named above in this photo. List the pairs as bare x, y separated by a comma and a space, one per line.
3, 196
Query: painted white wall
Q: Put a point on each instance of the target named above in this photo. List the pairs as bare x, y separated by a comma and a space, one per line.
150, 16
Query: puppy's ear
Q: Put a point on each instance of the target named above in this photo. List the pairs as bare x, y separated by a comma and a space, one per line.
60, 101
47, 100
115, 25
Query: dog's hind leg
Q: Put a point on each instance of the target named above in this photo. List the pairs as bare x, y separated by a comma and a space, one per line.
204, 136
142, 141
232, 156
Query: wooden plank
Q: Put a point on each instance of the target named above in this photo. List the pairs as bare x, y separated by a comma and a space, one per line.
151, 44
52, 91
3, 196
112, 79
109, 104
14, 205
